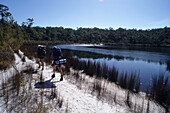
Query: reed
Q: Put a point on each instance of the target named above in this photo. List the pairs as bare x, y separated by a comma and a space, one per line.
130, 82
113, 75
105, 70
160, 91
97, 86
123, 81
91, 68
128, 99
115, 97
148, 106
98, 70
137, 84
3, 85
17, 83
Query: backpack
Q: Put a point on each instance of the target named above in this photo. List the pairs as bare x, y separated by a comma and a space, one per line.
41, 51
57, 55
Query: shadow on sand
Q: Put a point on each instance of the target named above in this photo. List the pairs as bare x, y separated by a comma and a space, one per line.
46, 84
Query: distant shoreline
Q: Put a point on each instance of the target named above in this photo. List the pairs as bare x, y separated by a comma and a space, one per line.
34, 42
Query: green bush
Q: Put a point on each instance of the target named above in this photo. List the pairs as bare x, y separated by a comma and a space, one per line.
11, 37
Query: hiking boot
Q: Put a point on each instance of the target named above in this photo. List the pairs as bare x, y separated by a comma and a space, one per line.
61, 79
53, 76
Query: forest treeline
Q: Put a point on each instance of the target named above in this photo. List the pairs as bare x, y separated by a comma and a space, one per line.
154, 37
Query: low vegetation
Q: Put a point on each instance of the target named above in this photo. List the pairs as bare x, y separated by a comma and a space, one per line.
19, 96
11, 37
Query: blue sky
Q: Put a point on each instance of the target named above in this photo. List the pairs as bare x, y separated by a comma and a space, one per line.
129, 14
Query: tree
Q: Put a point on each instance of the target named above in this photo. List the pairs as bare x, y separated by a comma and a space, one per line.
4, 12
10, 37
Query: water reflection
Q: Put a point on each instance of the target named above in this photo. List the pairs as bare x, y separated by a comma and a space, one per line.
163, 50
168, 65
147, 54
146, 62
86, 54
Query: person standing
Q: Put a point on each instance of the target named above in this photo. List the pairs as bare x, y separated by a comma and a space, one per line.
56, 56
41, 50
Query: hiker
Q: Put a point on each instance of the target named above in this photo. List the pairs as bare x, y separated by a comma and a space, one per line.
56, 56
41, 50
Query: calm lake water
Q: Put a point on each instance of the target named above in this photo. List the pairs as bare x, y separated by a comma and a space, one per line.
144, 61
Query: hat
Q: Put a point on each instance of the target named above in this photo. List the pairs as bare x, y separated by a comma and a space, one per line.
41, 46
54, 47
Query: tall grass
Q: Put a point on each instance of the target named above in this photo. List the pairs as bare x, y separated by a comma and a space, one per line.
130, 82
160, 91
122, 81
97, 86
16, 82
113, 75
19, 96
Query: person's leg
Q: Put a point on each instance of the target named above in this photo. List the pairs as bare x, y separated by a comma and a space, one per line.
54, 68
61, 72
42, 62
38, 59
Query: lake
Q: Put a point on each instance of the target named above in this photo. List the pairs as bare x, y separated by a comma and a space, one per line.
144, 61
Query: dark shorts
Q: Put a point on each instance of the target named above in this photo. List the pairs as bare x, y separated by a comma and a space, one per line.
54, 63
40, 57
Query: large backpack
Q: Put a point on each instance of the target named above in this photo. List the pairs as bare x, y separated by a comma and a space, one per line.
57, 55
41, 51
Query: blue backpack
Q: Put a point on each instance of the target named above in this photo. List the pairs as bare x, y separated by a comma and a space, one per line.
57, 55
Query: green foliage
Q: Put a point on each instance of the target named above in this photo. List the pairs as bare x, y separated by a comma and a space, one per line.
11, 37
154, 37
4, 12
